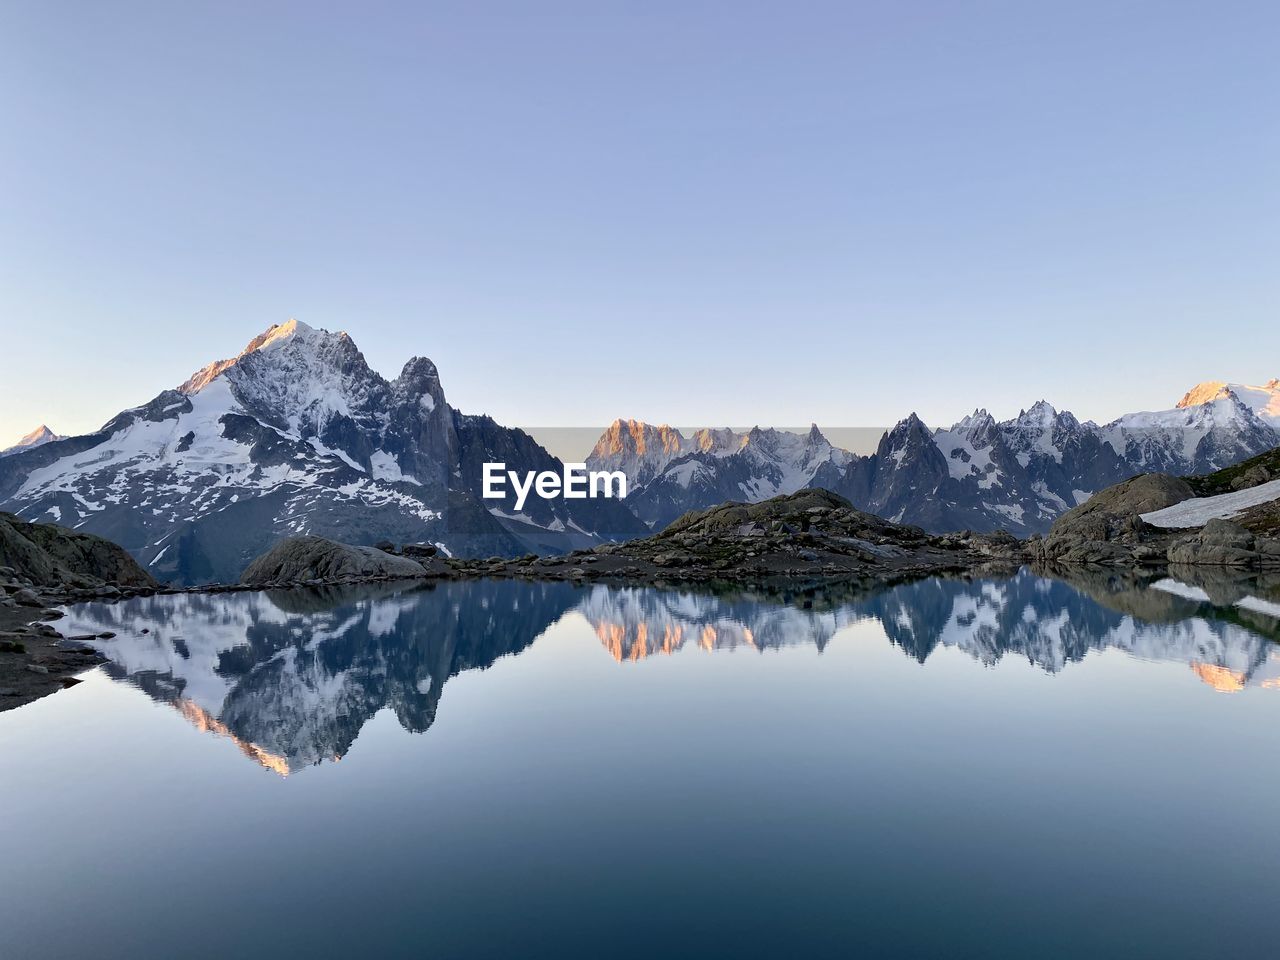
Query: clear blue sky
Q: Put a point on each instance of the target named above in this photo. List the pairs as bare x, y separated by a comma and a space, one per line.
693, 212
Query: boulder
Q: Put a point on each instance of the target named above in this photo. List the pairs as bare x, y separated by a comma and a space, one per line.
1108, 527
298, 559
49, 555
1226, 544
1151, 491
1253, 477
1226, 533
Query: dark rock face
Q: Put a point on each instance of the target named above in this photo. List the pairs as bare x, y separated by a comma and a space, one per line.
302, 559
902, 480
49, 555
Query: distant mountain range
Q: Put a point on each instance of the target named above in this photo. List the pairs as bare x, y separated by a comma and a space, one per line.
668, 474
295, 434
979, 474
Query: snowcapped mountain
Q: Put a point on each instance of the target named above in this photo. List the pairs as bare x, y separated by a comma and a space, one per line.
1263, 400
36, 438
1192, 437
981, 474
1021, 474
295, 434
668, 473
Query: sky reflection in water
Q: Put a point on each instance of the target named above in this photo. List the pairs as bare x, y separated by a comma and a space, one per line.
1072, 768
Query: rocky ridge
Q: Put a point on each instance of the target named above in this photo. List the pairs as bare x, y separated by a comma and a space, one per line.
812, 534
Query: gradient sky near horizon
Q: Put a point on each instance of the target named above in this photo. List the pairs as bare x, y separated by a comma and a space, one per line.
700, 213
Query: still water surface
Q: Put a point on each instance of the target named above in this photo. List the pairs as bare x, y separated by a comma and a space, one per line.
1000, 768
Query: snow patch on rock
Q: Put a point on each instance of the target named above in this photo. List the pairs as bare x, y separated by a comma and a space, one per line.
1198, 511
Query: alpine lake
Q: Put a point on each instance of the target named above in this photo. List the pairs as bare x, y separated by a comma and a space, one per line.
1015, 767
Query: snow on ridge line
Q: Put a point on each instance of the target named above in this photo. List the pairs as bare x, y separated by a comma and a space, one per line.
1198, 511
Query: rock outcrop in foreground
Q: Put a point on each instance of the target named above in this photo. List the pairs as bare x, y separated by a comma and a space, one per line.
813, 534
1113, 527
304, 559
1226, 544
1108, 528
52, 556
42, 565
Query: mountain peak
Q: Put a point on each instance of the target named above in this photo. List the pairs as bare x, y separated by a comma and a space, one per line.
36, 438
637, 438
1264, 400
710, 440
908, 427
978, 427
271, 339
420, 380
979, 416
1041, 409
1204, 392
279, 333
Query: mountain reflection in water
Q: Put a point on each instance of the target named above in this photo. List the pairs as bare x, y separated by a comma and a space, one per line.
292, 676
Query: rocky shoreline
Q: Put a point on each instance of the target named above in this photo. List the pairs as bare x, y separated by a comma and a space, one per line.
43, 566
809, 540
788, 543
